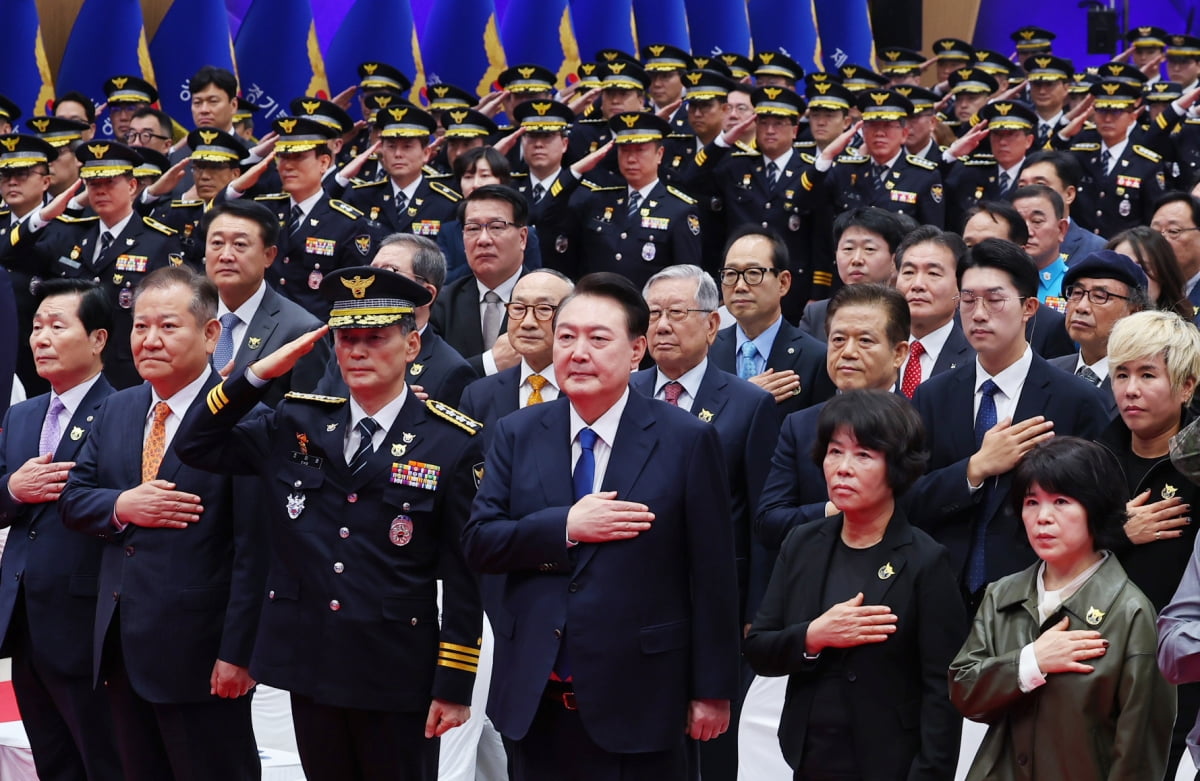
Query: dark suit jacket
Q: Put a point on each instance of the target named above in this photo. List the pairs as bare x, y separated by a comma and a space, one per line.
793, 349
636, 662
812, 322
188, 597
1067, 363
277, 322
1080, 243
899, 700
744, 416
1046, 333
455, 315
53, 569
490, 398
946, 404
956, 352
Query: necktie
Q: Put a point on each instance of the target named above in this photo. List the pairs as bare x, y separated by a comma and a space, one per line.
585, 468
772, 174
401, 205
366, 429
1089, 375
297, 220
1105, 159
745, 366
106, 240
1004, 181
537, 382
1043, 134
912, 369
984, 420
673, 390
635, 200
51, 431
538, 192
878, 173
156, 443
493, 313
224, 352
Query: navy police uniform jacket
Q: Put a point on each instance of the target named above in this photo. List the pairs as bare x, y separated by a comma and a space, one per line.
433, 204
913, 186
1111, 202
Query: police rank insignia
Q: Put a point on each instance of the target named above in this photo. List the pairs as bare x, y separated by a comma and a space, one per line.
295, 505
1169, 491
407, 438
477, 473
416, 474
76, 433
705, 416
886, 571
399, 450
401, 530
1094, 616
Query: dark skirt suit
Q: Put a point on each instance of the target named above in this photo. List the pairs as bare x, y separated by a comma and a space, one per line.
893, 695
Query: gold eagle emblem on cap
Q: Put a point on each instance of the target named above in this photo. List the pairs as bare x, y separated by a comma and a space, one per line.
946, 45
617, 67
208, 136
440, 91
10, 143
540, 107
40, 124
964, 73
358, 286
1177, 40
1003, 109
119, 81
1160, 86
766, 57
629, 119
287, 125
903, 90
1027, 34
310, 106
397, 114
849, 71
370, 67
694, 77
588, 68
382, 101
656, 50
1115, 69
1111, 89
892, 55
1094, 616
1143, 31
878, 97
700, 62
458, 116
772, 92
822, 87
98, 150
525, 72
1043, 62
609, 55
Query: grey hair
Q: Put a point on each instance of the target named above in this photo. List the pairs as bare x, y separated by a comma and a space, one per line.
428, 261
707, 296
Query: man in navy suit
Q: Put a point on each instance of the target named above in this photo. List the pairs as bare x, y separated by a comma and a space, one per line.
535, 299
762, 346
607, 513
984, 416
48, 604
185, 559
1060, 171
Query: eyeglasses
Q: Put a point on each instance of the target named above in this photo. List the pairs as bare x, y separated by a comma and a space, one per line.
542, 312
145, 136
494, 228
1174, 233
1096, 295
753, 276
674, 315
991, 302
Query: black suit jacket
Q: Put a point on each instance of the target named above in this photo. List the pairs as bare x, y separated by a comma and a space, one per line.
490, 398
899, 701
957, 351
744, 416
1046, 333
188, 597
792, 349
946, 404
54, 570
276, 322
456, 317
1067, 363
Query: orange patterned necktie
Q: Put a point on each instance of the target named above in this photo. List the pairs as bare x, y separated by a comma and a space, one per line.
156, 443
537, 382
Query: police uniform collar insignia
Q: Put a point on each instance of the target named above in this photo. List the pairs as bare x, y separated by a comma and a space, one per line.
1094, 616
76, 433
408, 438
399, 449
477, 473
886, 571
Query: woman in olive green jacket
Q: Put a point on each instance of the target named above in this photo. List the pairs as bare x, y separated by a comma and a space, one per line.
1060, 660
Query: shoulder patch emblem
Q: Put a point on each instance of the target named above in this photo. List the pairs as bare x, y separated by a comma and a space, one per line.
1150, 155
158, 226
314, 398
921, 162
345, 208
453, 416
448, 192
689, 200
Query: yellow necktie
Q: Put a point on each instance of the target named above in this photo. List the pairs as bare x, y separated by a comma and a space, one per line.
537, 382
156, 443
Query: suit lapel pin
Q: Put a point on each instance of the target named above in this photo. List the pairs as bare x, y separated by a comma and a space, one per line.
416, 369
76, 434
314, 222
408, 438
1094, 616
1169, 491
705, 416
90, 418
886, 571
791, 351
330, 426
254, 342
399, 449
953, 365
129, 242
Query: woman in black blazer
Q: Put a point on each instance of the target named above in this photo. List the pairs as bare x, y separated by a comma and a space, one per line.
862, 612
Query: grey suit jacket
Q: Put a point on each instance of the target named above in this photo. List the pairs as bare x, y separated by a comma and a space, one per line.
277, 322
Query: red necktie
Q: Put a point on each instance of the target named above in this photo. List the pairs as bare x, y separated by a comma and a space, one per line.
912, 369
672, 391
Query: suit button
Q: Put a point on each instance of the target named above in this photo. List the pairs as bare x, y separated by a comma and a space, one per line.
1022, 760
129, 551
343, 532
352, 498
558, 634
617, 256
573, 587
298, 483
271, 594
334, 605
283, 281
851, 676
767, 205
414, 620
765, 225
339, 567
33, 534
285, 259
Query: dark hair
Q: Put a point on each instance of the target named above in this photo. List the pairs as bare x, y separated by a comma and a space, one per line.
1007, 257
1154, 254
1041, 191
1065, 165
268, 224
1086, 472
163, 118
618, 289
95, 308
745, 89
1002, 211
211, 74
931, 234
881, 421
203, 305
779, 250
497, 162
873, 219
1181, 197
497, 192
888, 300
89, 108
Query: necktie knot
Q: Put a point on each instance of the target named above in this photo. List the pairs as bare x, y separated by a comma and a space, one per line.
536, 382
401, 201
772, 172
1004, 180
223, 353
162, 411
538, 192
106, 240
587, 439
56, 406
1105, 159
297, 217
366, 429
1086, 373
746, 364
671, 392
912, 369
989, 388
916, 349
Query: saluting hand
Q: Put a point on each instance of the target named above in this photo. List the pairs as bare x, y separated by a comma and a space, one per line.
848, 624
839, 144
733, 133
350, 170
601, 517
1063, 650
282, 360
170, 179
58, 205
251, 177
39, 479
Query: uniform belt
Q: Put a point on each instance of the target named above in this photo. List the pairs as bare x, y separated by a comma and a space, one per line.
560, 694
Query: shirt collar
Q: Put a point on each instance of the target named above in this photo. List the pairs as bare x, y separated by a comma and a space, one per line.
410, 192
935, 340
1100, 367
545, 183
644, 192
606, 425
246, 311
547, 374
119, 228
891, 163
1117, 149
690, 379
504, 289
783, 160
763, 342
1052, 121
183, 398
1010, 379
73, 397
309, 203
1013, 172
385, 417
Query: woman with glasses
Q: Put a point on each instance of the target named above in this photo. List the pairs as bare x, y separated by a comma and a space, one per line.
1165, 283
473, 169
1154, 362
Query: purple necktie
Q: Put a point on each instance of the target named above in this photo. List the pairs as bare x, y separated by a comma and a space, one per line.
51, 431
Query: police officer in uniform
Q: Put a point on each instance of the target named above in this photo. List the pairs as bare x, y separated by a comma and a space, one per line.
367, 500
116, 247
407, 200
545, 182
665, 65
990, 176
776, 69
642, 226
623, 85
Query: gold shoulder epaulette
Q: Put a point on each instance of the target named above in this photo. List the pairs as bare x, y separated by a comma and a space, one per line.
358, 184
344, 208
852, 159
69, 218
1085, 147
681, 195
746, 147
453, 416
181, 204
272, 197
921, 162
449, 193
588, 183
430, 171
808, 158
158, 226
1149, 154
295, 396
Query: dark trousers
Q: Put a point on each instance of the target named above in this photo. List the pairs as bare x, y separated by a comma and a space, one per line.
190, 741
67, 720
558, 748
350, 744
